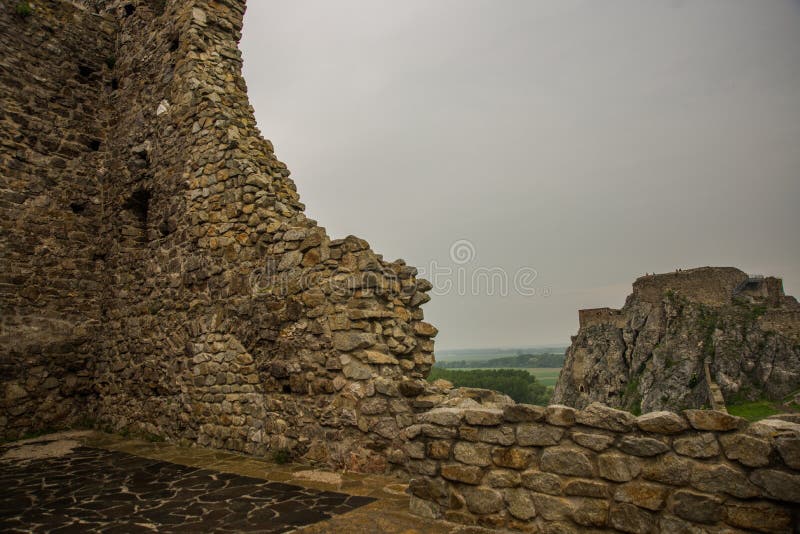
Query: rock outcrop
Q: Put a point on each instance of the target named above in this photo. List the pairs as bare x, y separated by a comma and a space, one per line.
680, 338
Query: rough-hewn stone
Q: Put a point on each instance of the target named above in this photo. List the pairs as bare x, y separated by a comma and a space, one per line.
699, 446
538, 434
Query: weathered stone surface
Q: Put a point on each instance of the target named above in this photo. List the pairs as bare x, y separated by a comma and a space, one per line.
502, 435
514, 457
538, 435
468, 474
567, 461
483, 417
630, 518
523, 413
595, 442
758, 516
439, 449
668, 469
789, 449
560, 415
642, 494
723, 479
482, 500
642, 446
662, 422
542, 482
700, 446
601, 416
590, 512
586, 488
442, 417
520, 504
747, 450
502, 478
713, 420
473, 453
697, 507
776, 485
618, 467
552, 508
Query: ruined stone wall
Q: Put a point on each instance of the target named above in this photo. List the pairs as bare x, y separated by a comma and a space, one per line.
600, 316
226, 317
712, 286
54, 75
555, 469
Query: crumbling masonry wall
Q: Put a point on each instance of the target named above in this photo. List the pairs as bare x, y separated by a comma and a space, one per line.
560, 470
209, 308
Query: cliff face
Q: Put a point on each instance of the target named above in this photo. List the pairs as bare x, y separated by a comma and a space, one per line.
653, 353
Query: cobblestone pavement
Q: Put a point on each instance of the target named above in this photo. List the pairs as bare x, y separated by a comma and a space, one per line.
90, 489
87, 481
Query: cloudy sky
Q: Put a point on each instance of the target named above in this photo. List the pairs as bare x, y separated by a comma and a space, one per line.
566, 145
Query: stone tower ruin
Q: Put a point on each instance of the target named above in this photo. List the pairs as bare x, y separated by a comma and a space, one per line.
159, 274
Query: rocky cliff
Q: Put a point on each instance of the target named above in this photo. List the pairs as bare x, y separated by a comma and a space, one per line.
683, 336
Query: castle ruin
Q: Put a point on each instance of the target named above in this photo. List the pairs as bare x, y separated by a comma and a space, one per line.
159, 276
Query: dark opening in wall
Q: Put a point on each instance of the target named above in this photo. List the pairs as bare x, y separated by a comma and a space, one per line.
94, 145
139, 204
77, 207
129, 9
114, 84
85, 71
158, 6
174, 43
287, 388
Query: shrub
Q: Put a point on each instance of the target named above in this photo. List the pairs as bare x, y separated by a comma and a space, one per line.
23, 9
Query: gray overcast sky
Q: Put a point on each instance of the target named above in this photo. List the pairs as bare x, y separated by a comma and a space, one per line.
589, 140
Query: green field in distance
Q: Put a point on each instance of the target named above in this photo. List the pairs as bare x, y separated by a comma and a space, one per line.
547, 376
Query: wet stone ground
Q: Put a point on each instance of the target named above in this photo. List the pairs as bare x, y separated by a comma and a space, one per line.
95, 490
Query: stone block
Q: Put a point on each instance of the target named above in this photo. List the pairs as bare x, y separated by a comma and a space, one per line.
775, 484
696, 507
482, 500
523, 413
642, 446
758, 516
473, 453
538, 435
542, 482
601, 416
567, 461
559, 415
467, 474
520, 504
699, 446
514, 457
747, 450
662, 422
642, 494
724, 479
595, 442
618, 467
713, 420
630, 518
483, 416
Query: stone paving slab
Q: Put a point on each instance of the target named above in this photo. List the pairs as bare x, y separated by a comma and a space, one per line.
84, 489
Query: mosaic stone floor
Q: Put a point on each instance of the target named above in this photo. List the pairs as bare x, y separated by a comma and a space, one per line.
94, 490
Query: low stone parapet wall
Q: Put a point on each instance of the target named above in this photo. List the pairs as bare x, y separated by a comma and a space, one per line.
557, 469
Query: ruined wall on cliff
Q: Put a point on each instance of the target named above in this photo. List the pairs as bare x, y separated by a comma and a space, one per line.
225, 316
652, 355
